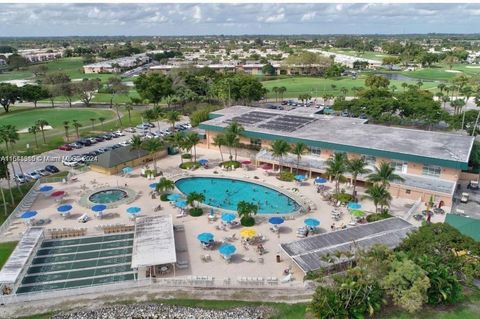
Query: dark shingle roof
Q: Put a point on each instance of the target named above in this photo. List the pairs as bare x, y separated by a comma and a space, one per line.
118, 156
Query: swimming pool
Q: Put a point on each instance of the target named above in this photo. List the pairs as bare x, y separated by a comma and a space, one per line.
108, 196
225, 193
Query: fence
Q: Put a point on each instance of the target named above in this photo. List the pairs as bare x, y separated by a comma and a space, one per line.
31, 194
158, 284
413, 209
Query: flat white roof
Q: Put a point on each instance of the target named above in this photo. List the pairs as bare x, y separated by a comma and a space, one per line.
153, 242
17, 261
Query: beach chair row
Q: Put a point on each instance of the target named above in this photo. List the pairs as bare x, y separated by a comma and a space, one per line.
257, 280
117, 228
67, 232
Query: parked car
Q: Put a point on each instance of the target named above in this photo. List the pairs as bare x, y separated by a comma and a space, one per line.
33, 175
130, 130
76, 145
284, 103
345, 113
42, 172
70, 162
125, 143
65, 147
21, 178
107, 137
93, 140
363, 116
52, 169
85, 142
100, 138
114, 146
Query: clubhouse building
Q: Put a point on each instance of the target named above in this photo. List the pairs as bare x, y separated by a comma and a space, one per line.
430, 162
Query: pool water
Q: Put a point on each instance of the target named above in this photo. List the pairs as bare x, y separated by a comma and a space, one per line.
225, 193
108, 196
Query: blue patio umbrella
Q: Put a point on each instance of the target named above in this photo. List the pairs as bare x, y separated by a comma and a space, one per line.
205, 237
99, 208
276, 220
227, 249
29, 214
300, 178
127, 170
45, 188
312, 222
153, 185
173, 197
133, 210
203, 162
228, 217
64, 208
181, 203
353, 205
320, 180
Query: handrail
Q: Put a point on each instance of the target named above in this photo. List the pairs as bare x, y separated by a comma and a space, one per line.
412, 209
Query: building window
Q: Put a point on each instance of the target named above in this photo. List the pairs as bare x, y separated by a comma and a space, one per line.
315, 151
408, 191
256, 142
400, 167
431, 170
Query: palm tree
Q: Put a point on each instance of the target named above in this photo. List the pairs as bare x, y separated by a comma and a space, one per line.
149, 116
77, 125
280, 148
441, 87
336, 167
34, 130
195, 198
356, 166
41, 124
129, 108
281, 91
379, 195
93, 122
172, 117
192, 140
5, 174
245, 210
102, 119
219, 140
8, 135
299, 149
66, 127
152, 146
136, 144
384, 174
165, 185
275, 90
233, 132
404, 85
231, 141
177, 140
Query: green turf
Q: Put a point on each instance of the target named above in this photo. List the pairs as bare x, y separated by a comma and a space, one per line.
79, 264
442, 72
316, 86
86, 240
83, 248
80, 256
6, 250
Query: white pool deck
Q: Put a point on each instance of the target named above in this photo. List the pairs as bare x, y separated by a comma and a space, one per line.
188, 247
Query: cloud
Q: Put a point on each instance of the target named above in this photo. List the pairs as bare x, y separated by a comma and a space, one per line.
238, 18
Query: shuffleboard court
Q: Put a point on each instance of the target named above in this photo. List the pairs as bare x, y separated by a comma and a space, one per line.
79, 264
84, 248
86, 255
87, 240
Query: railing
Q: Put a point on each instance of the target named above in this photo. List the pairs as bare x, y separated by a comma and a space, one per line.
17, 210
158, 283
412, 209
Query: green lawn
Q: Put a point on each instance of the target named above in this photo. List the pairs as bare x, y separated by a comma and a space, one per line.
442, 72
317, 85
121, 98
378, 56
5, 251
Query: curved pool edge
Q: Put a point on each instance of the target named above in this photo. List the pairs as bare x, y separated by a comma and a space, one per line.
85, 201
299, 200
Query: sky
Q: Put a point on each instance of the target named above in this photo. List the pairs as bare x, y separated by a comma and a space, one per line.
235, 19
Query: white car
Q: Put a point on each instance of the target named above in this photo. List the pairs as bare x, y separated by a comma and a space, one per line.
70, 162
119, 133
33, 175
125, 143
42, 172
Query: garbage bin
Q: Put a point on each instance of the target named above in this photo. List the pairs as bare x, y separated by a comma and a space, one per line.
278, 258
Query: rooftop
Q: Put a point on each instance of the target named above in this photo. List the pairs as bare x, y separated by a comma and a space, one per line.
348, 134
307, 253
154, 242
118, 156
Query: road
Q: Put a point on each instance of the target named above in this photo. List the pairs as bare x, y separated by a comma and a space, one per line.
55, 157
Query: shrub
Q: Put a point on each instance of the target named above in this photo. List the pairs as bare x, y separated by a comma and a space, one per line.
236, 164
343, 196
196, 211
186, 156
377, 217
164, 197
189, 165
247, 222
286, 176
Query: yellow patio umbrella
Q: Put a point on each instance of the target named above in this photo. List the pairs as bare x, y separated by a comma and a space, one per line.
248, 232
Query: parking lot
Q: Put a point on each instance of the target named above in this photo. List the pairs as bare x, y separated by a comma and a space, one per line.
57, 157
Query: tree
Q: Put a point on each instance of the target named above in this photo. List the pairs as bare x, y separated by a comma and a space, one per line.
152, 146
34, 130
129, 108
9, 94
384, 174
195, 198
16, 61
86, 89
450, 60
59, 83
136, 144
67, 90
356, 166
77, 126
102, 120
165, 185
377, 81
281, 91
245, 211
219, 141
280, 148
116, 86
298, 150
268, 69
379, 195
275, 90
407, 284
42, 124
336, 167
34, 93
172, 117
93, 122
66, 127
5, 174
9, 135
153, 87
192, 139
39, 70
232, 137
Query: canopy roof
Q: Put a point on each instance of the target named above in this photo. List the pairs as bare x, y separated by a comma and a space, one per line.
17, 261
307, 253
153, 242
